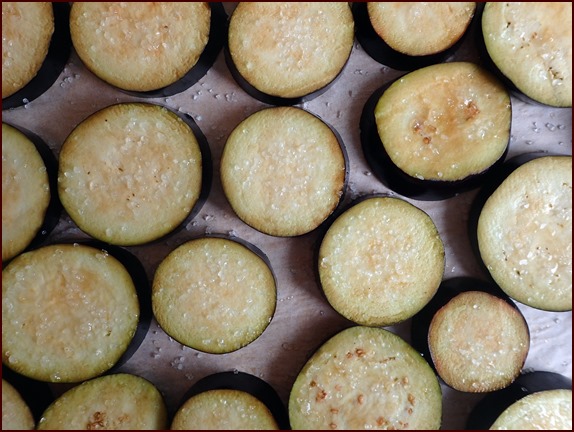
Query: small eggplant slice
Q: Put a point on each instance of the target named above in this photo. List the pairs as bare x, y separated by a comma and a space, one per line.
30, 204
231, 401
127, 162
36, 45
214, 294
381, 261
148, 49
409, 35
536, 400
285, 179
531, 45
86, 312
474, 335
16, 414
522, 225
365, 378
437, 131
117, 401
285, 53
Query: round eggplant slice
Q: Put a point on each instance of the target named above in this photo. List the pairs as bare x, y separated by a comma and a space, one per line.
118, 401
524, 230
231, 400
148, 49
69, 313
127, 162
531, 45
364, 378
475, 336
16, 414
36, 45
437, 131
288, 52
35, 395
30, 204
536, 400
407, 36
214, 294
283, 171
381, 261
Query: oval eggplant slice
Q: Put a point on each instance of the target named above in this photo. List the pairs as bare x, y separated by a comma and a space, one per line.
437, 131
36, 45
231, 400
69, 312
118, 401
288, 52
283, 171
35, 395
381, 261
408, 35
364, 378
214, 294
148, 49
531, 45
474, 335
30, 204
523, 229
127, 162
536, 400
16, 414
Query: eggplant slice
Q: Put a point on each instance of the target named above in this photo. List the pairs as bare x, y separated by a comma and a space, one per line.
16, 414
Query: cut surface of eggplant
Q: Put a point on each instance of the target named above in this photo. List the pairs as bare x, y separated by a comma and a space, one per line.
283, 171
524, 233
141, 46
407, 36
363, 378
531, 45
26, 191
36, 45
111, 402
214, 294
16, 414
289, 50
79, 301
536, 400
127, 162
381, 261
437, 130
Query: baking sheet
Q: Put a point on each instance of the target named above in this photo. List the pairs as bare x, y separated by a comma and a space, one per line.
303, 319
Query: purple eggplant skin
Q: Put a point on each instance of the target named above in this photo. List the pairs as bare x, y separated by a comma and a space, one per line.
56, 59
396, 179
492, 405
487, 189
54, 210
38, 395
448, 289
217, 37
236, 380
380, 51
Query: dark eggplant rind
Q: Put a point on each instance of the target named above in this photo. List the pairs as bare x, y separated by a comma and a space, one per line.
536, 33
242, 300
73, 267
256, 158
379, 50
191, 160
450, 289
56, 59
36, 394
492, 405
54, 208
555, 175
243, 382
400, 181
162, 88
284, 96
